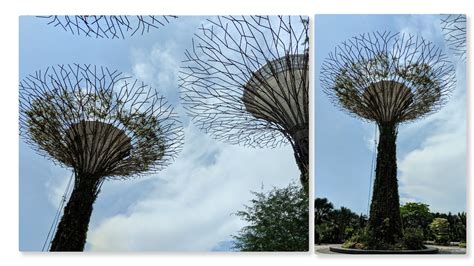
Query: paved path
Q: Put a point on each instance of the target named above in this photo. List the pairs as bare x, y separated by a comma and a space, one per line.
324, 249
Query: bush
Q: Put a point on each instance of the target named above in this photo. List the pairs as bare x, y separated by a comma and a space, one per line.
416, 215
359, 240
328, 233
440, 229
413, 238
363, 239
462, 244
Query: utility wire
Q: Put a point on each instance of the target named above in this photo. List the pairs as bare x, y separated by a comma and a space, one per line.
374, 153
48, 240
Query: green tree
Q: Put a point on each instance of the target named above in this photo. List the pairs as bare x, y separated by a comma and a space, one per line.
346, 222
462, 226
416, 215
335, 225
277, 221
322, 211
457, 225
440, 229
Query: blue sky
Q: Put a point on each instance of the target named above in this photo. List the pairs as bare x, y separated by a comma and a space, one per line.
186, 207
206, 185
431, 152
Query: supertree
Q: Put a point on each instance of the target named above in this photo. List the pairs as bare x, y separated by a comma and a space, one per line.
388, 79
454, 31
108, 27
246, 82
103, 125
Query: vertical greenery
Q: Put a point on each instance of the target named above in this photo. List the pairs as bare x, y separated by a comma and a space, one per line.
277, 221
71, 233
384, 220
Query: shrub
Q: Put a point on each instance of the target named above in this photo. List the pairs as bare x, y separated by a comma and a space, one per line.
363, 239
462, 244
413, 238
359, 240
440, 229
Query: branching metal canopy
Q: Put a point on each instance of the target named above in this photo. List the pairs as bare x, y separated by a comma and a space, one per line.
108, 27
454, 30
246, 79
386, 77
99, 122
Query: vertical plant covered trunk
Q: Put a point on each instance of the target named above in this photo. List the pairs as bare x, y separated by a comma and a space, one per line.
301, 151
72, 230
385, 219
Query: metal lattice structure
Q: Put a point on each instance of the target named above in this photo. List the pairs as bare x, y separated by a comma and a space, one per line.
108, 27
246, 82
454, 31
103, 125
389, 78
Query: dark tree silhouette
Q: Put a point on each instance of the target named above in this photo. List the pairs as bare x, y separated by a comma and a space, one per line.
322, 210
389, 79
246, 82
108, 27
454, 31
103, 125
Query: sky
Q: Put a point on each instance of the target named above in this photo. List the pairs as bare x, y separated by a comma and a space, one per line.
431, 152
190, 205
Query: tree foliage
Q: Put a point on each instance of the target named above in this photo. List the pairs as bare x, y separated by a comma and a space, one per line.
277, 221
440, 229
338, 226
457, 226
335, 225
416, 215
322, 210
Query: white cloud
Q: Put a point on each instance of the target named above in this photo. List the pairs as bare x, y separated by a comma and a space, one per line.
191, 203
435, 171
427, 26
158, 67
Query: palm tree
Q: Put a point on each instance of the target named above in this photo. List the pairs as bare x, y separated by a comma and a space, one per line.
322, 210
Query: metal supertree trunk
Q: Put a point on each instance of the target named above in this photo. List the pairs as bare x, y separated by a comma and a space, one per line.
246, 82
108, 27
103, 125
389, 79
